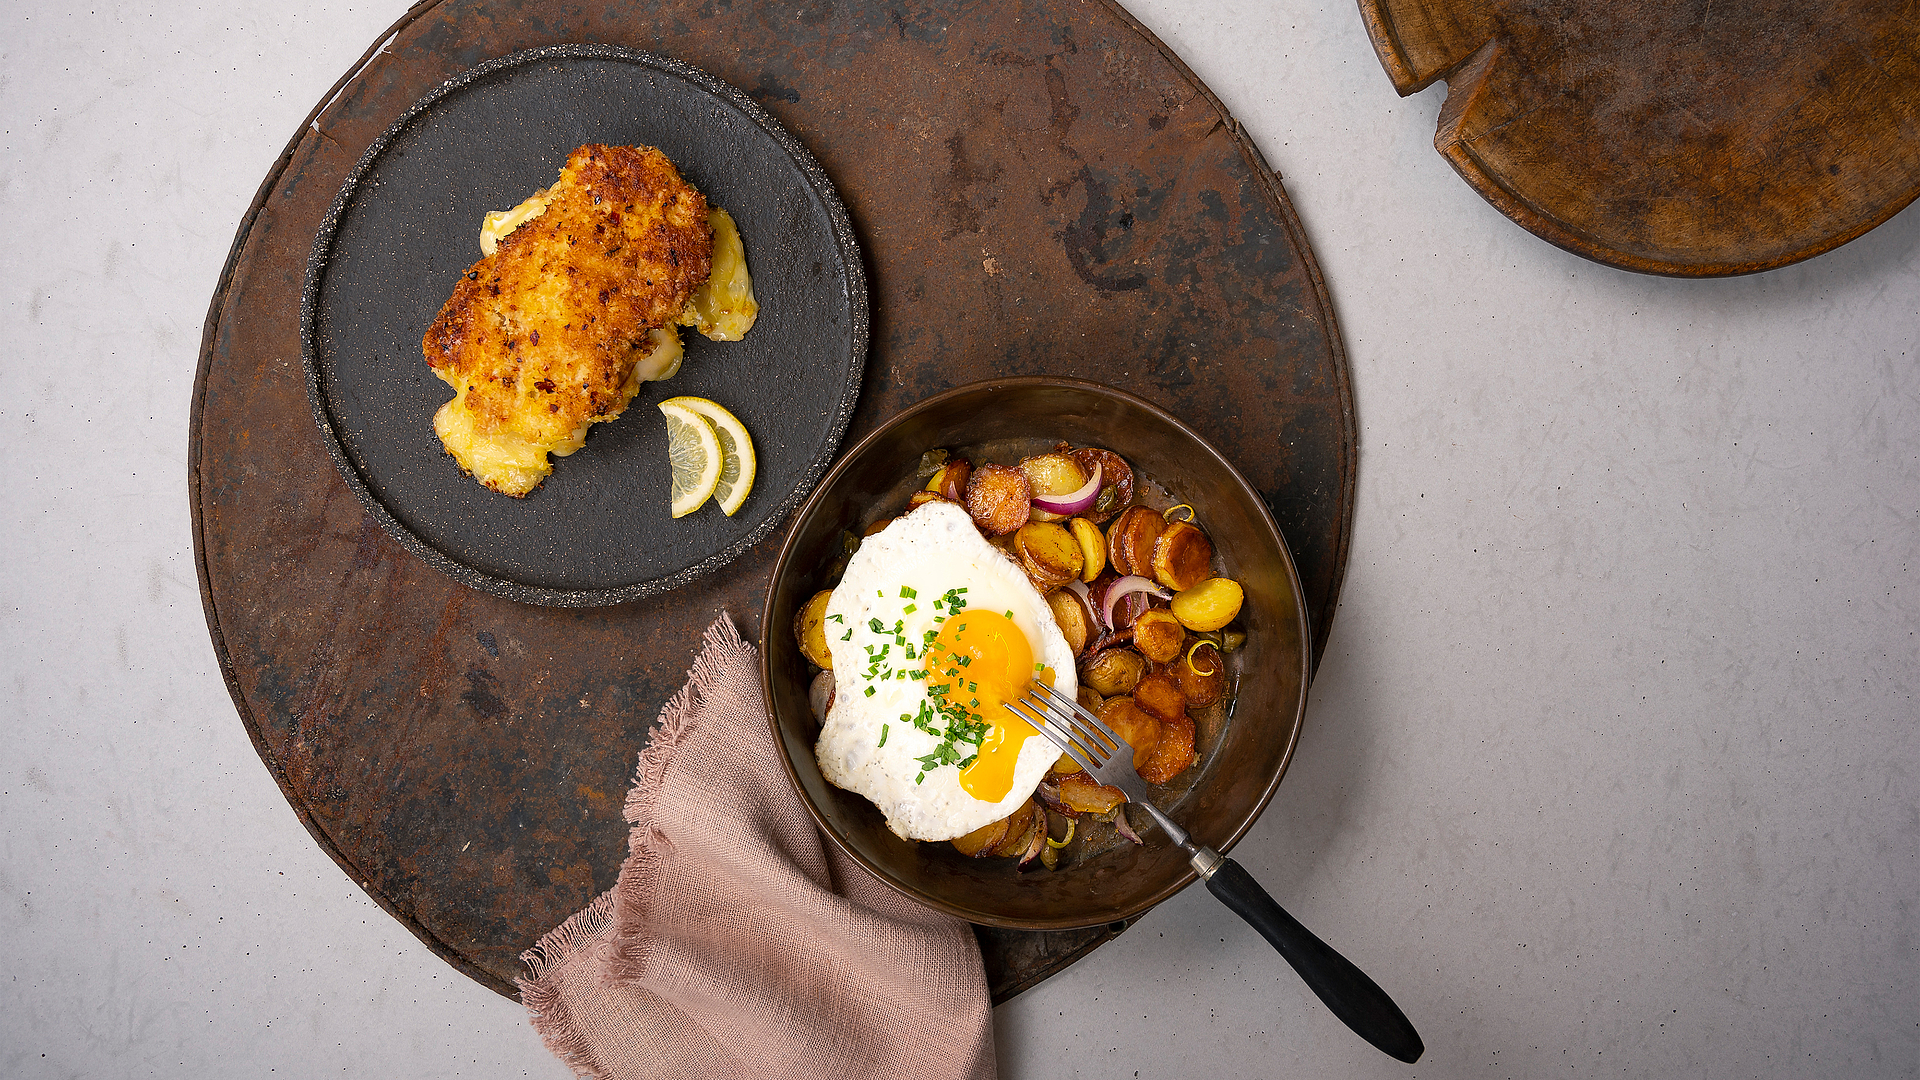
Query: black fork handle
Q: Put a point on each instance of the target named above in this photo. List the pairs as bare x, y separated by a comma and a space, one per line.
1355, 999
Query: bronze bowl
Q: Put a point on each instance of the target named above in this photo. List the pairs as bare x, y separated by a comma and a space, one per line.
1242, 756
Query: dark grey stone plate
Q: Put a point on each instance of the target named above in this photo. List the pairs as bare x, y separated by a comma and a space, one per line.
406, 224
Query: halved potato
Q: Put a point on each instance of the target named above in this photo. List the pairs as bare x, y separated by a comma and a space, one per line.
1076, 622
1158, 635
1116, 481
1093, 547
1201, 673
1085, 795
810, 629
1052, 474
1161, 696
1172, 754
1048, 553
980, 843
1209, 605
1113, 671
1139, 727
1182, 556
1020, 826
1130, 540
999, 498
950, 483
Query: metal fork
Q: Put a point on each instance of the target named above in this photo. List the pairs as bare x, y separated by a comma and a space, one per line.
1346, 990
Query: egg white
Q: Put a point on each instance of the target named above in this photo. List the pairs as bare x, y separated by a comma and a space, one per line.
930, 550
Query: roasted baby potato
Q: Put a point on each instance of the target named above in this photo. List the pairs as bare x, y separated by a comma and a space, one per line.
1076, 622
1158, 635
950, 483
1113, 671
1052, 474
1130, 540
980, 842
1208, 605
1116, 482
1172, 753
1182, 556
1020, 826
1139, 727
810, 628
1093, 547
1201, 673
1048, 553
999, 498
1084, 795
1161, 696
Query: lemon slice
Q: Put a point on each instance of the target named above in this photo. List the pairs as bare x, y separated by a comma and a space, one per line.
694, 452
736, 447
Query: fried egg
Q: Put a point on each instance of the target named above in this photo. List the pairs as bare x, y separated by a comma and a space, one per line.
931, 629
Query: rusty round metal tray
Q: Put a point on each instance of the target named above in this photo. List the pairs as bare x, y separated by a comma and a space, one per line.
406, 225
1037, 189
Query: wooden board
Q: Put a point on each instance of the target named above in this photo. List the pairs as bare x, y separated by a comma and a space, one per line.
1038, 188
1685, 137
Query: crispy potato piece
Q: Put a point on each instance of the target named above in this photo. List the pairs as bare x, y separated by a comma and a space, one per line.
1139, 727
1209, 605
1116, 482
1076, 622
950, 483
1093, 547
1182, 556
980, 843
1161, 696
1158, 635
1000, 499
1090, 699
1064, 765
1113, 671
1172, 754
1048, 553
1084, 795
1130, 540
878, 525
810, 629
1201, 673
1020, 826
922, 497
1052, 474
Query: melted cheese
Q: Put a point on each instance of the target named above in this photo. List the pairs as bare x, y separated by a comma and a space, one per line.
723, 308
498, 223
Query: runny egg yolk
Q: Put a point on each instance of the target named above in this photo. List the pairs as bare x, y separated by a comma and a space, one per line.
983, 661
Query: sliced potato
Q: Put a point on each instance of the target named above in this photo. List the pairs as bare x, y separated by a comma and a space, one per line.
1172, 754
1158, 635
1113, 671
1182, 556
1064, 765
980, 843
1090, 699
921, 498
1048, 553
1161, 696
1085, 795
1093, 547
1130, 540
1076, 622
1020, 826
1201, 673
810, 629
1139, 727
1209, 605
999, 498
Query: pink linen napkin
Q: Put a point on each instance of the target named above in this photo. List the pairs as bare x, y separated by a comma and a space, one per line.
740, 943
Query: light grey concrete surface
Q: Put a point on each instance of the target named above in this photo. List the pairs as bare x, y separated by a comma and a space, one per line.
1611, 767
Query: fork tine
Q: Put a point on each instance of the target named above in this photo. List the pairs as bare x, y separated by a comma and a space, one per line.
1053, 733
1064, 720
1084, 720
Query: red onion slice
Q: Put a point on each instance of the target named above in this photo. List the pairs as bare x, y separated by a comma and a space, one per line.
1125, 587
1069, 505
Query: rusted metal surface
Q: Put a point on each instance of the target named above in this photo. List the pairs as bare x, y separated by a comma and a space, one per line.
1039, 188
1700, 138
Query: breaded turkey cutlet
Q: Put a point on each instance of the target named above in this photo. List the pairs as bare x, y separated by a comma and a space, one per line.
556, 329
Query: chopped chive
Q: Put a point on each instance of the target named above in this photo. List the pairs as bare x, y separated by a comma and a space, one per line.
869, 691
910, 609
907, 592
1009, 613
883, 736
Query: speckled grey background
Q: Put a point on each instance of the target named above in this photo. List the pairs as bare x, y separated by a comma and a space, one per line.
1609, 767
